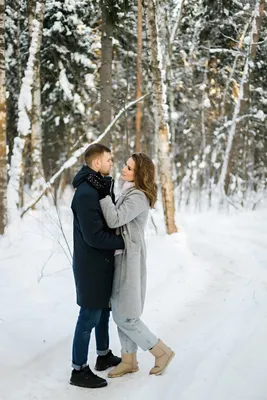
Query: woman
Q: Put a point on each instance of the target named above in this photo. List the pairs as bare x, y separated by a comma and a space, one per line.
130, 215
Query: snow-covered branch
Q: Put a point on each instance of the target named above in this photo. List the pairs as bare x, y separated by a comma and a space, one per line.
74, 158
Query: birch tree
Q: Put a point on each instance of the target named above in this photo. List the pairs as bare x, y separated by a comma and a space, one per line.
161, 114
172, 31
37, 174
25, 109
3, 160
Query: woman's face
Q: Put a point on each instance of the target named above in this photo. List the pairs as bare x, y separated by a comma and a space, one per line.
127, 173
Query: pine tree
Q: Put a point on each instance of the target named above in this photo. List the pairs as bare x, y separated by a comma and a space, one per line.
69, 65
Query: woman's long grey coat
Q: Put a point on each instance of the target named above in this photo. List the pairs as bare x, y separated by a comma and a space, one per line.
130, 215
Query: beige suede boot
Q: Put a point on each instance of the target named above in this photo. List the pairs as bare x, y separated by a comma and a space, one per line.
128, 365
163, 356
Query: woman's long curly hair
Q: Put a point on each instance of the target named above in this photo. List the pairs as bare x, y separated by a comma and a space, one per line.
144, 176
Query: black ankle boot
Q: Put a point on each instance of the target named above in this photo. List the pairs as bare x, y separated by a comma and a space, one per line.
107, 361
87, 379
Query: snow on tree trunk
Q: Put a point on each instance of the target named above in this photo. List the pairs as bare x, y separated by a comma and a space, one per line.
237, 108
161, 117
37, 173
3, 158
139, 75
38, 180
25, 109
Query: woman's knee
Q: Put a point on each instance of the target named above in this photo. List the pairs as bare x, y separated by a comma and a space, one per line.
125, 322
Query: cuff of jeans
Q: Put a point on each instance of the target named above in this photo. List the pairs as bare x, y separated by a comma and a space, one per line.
102, 352
78, 367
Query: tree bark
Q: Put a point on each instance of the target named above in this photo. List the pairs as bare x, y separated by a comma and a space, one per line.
171, 35
138, 118
37, 173
106, 72
161, 117
3, 156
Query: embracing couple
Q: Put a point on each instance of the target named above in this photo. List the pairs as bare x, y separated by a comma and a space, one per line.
109, 264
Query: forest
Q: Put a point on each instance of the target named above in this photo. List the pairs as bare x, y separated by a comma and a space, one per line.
183, 81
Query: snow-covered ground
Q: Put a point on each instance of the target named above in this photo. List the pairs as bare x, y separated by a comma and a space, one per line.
207, 298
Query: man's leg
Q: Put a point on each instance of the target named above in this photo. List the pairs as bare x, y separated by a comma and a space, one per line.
81, 374
102, 333
105, 357
87, 320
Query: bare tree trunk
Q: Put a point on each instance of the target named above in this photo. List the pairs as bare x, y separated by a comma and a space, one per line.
171, 32
106, 71
161, 117
3, 158
169, 70
139, 76
31, 10
25, 109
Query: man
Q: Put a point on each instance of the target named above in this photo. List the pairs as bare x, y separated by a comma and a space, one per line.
93, 267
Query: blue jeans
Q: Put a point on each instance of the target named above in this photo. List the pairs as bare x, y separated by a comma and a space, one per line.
87, 320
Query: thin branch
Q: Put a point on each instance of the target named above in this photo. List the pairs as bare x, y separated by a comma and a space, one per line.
60, 222
44, 265
57, 272
56, 240
179, 9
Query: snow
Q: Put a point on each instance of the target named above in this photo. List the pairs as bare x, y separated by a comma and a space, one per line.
90, 82
25, 97
64, 82
207, 293
82, 59
206, 103
260, 115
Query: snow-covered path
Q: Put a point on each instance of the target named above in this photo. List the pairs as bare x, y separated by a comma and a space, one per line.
206, 297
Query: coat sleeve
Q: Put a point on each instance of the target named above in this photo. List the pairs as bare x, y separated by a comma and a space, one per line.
92, 226
134, 204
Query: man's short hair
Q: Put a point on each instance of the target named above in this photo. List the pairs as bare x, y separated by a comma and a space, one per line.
94, 151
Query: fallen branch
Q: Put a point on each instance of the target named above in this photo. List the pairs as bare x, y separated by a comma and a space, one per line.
74, 158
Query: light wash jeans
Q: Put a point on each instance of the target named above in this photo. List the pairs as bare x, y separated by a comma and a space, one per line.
132, 331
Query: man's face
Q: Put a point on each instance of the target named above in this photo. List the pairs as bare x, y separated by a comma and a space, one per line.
105, 163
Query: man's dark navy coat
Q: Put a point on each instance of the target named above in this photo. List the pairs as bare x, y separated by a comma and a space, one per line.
94, 245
